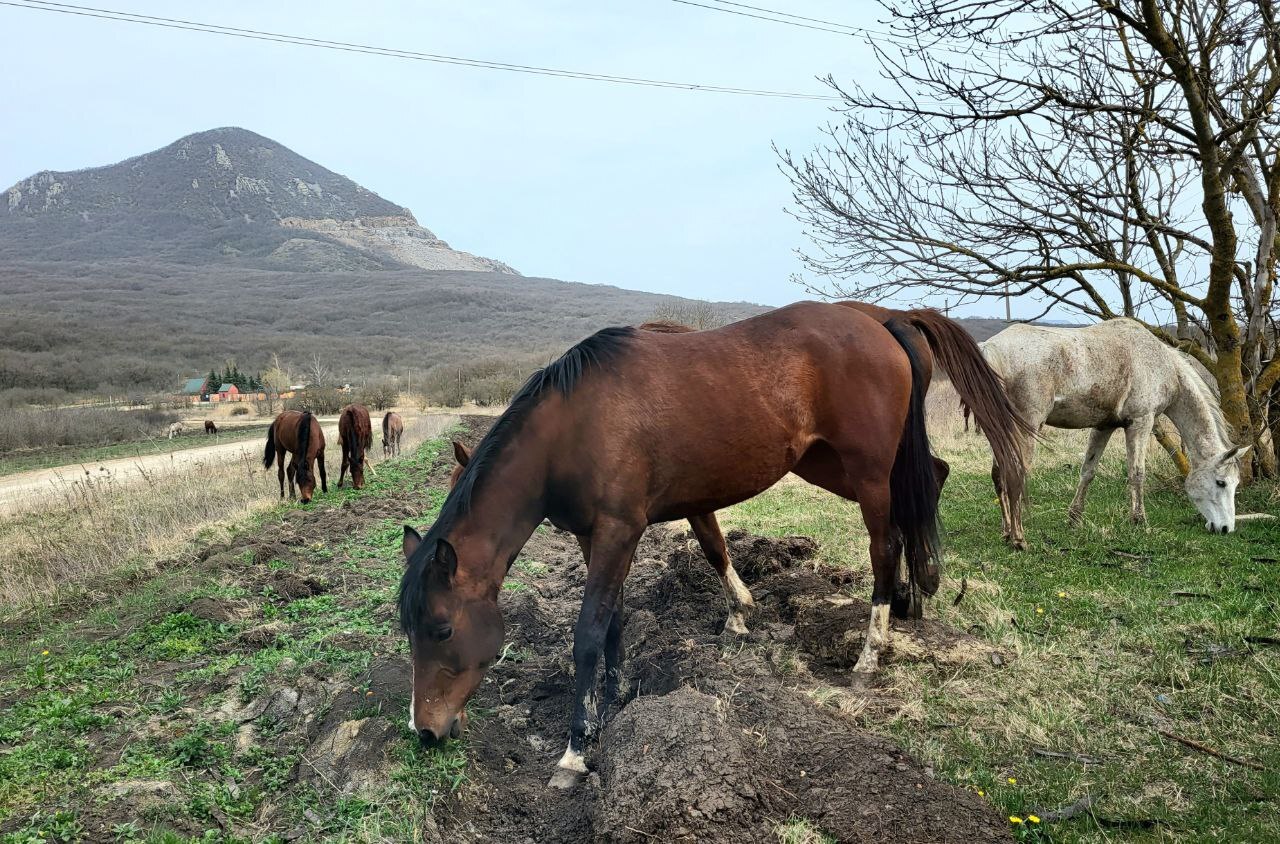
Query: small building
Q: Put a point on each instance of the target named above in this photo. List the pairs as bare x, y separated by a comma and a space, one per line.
193, 389
228, 392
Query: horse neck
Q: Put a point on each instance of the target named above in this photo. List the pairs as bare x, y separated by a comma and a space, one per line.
507, 505
1193, 415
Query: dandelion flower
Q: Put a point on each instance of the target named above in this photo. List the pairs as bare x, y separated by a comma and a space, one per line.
44, 653
1062, 594
1033, 819
1013, 781
1040, 610
1015, 819
981, 793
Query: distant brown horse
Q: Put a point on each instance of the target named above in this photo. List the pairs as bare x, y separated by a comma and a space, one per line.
209, 427
355, 433
678, 425
297, 433
392, 431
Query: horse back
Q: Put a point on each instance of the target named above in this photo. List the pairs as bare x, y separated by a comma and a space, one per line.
721, 415
286, 433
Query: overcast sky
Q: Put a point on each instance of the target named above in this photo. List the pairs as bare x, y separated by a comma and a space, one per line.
659, 190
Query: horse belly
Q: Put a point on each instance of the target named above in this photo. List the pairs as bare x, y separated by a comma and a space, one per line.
1088, 409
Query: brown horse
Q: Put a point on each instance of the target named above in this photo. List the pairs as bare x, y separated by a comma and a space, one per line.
705, 527
673, 426
297, 433
355, 433
209, 427
392, 431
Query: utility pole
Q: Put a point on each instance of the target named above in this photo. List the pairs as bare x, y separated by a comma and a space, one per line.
1008, 309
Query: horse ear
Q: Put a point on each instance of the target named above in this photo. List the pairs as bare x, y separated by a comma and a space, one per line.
411, 541
461, 453
1236, 453
446, 562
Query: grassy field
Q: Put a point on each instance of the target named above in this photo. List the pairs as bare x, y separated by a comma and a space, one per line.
1118, 637
73, 682
26, 461
1115, 639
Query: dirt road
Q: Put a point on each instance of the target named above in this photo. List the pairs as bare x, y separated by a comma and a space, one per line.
24, 490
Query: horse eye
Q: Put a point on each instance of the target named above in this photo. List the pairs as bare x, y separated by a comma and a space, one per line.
1222, 484
443, 633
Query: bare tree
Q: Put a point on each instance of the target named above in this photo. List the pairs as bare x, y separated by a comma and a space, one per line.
1107, 157
699, 315
276, 379
318, 371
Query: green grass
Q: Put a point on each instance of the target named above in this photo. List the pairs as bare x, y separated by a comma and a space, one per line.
67, 695
26, 461
1101, 654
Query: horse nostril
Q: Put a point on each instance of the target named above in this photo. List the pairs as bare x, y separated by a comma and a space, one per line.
456, 730
1224, 530
428, 738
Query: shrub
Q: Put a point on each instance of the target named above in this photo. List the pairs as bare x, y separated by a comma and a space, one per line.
318, 400
239, 410
23, 429
379, 394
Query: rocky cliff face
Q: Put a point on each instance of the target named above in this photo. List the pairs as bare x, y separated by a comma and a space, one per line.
224, 194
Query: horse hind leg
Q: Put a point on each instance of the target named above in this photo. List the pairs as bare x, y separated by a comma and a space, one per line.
823, 467
1098, 439
885, 550
707, 529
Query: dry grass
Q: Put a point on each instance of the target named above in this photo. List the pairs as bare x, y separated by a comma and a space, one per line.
92, 525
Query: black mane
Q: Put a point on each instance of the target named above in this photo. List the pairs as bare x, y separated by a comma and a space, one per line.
562, 375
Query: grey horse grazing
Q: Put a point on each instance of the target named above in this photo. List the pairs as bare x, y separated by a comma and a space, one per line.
1116, 374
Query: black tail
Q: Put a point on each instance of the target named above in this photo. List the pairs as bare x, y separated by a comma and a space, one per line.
913, 484
304, 440
386, 424
270, 454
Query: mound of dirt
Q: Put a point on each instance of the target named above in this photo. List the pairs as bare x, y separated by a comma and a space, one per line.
715, 740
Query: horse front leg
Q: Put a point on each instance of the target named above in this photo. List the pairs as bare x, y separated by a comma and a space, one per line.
324, 481
612, 545
1098, 439
1136, 439
280, 455
707, 529
342, 470
613, 653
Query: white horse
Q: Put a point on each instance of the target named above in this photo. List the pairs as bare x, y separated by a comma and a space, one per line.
1116, 374
175, 429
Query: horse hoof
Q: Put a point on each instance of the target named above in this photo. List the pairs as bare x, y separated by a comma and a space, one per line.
564, 779
1019, 544
734, 625
861, 682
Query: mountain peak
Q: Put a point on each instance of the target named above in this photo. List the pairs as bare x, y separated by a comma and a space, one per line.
219, 194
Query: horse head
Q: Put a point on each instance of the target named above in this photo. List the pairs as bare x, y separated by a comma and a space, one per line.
454, 637
1211, 487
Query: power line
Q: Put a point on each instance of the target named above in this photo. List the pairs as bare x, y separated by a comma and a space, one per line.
436, 58
797, 23
893, 39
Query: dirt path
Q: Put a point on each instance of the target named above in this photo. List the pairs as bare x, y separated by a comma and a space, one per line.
18, 491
